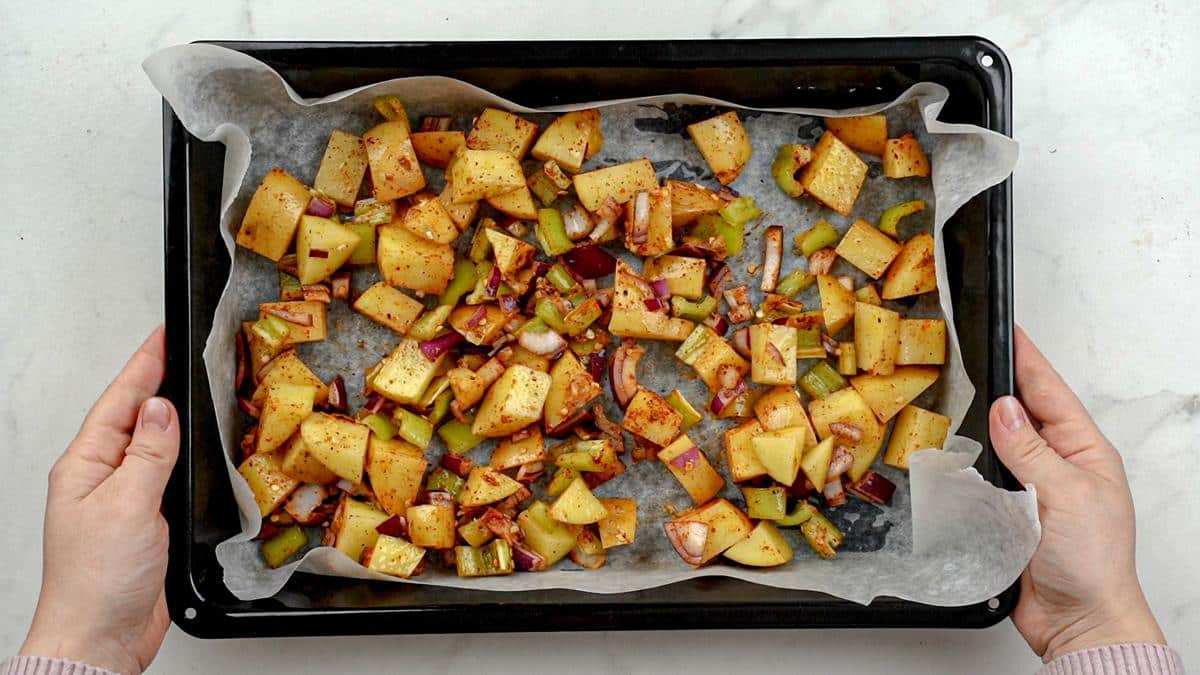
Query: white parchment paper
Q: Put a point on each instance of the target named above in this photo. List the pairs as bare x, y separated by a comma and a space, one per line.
948, 537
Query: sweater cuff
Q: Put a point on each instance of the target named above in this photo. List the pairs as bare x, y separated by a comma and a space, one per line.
41, 665
1128, 659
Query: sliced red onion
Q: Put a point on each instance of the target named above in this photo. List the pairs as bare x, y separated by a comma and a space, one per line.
239, 343
287, 265
546, 343
688, 538
590, 286
304, 501
846, 282
440, 498
873, 488
726, 396
341, 285
528, 473
396, 526
477, 318
835, 494
728, 375
269, 365
842, 460
459, 465
622, 372
577, 223
298, 318
661, 288
526, 559
540, 267
741, 341
717, 322
317, 206
436, 123
687, 459
434, 348
588, 561
501, 525
739, 304
801, 487
639, 221
607, 215
249, 408
493, 282
508, 304
266, 531
318, 253
317, 292
728, 194
345, 485
653, 304
596, 362
821, 261
374, 403
776, 355
720, 276
337, 394
831, 346
844, 430
589, 262
772, 257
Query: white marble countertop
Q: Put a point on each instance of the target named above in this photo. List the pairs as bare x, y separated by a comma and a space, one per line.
1106, 203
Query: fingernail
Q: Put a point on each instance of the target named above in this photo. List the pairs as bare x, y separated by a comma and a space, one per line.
1012, 413
155, 414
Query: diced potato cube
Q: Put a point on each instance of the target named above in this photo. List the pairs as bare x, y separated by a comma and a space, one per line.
848, 407
727, 525
571, 389
706, 352
739, 452
903, 157
430, 220
395, 171
648, 325
566, 140
273, 214
338, 442
396, 470
510, 454
685, 276
621, 182
296, 332
405, 373
389, 306
765, 547
409, 261
835, 175
394, 556
431, 525
486, 485
780, 452
651, 417
499, 130
887, 394
478, 174
913, 271
915, 429
689, 201
687, 462
516, 204
478, 330
577, 505
865, 133
322, 246
462, 214
285, 406
265, 476
723, 142
435, 148
868, 249
837, 303
619, 527
876, 338
514, 402
772, 354
300, 464
780, 408
659, 238
342, 168
290, 369
511, 254
922, 342
816, 461
352, 529
546, 536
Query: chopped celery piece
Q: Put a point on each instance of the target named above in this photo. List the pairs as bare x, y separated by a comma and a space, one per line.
808, 344
892, 215
798, 516
778, 307
413, 428
847, 363
822, 235
441, 406
784, 170
462, 283
579, 461
272, 329
706, 226
380, 426
740, 211
561, 278
681, 405
364, 252
289, 287
428, 325
794, 282
392, 109
549, 314
711, 225
481, 246
476, 532
491, 560
552, 234
534, 325
442, 480
278, 549
585, 314
585, 347
372, 212
440, 384
479, 295
577, 299
698, 310
562, 479
822, 535
821, 380
765, 503
549, 182
690, 349
458, 437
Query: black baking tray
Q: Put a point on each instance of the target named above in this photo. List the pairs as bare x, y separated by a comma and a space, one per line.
830, 73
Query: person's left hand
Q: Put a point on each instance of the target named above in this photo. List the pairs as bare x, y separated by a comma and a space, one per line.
104, 552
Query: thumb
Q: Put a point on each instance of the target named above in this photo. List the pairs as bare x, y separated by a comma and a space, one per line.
152, 452
1022, 449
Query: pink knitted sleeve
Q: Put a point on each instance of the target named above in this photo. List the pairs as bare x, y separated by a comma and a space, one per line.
41, 665
1128, 659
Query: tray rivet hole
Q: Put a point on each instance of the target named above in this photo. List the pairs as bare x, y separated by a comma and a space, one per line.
189, 613
986, 60
993, 604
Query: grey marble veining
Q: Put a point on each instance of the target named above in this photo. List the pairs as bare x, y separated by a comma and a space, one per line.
1106, 197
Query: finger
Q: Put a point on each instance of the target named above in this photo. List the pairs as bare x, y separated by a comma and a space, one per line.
106, 429
1022, 449
1048, 397
151, 454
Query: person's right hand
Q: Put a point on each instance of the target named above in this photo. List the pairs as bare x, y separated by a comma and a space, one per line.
1081, 589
